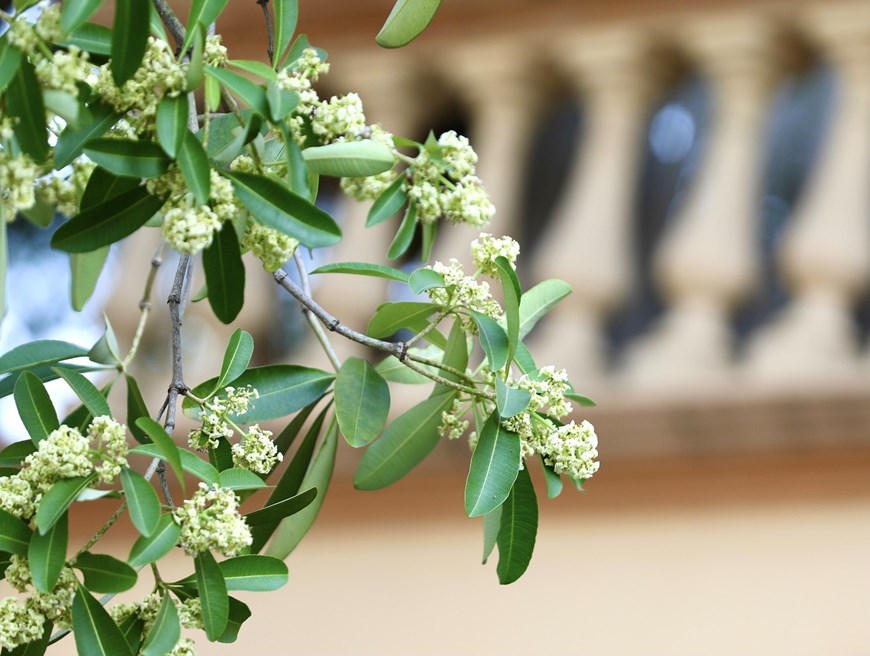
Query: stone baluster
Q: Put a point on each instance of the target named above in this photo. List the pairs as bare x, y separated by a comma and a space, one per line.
825, 254
708, 259
587, 243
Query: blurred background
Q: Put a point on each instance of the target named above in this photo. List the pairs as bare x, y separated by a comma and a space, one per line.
698, 172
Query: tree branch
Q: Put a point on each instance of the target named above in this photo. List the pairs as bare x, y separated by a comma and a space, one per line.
270, 33
170, 20
316, 326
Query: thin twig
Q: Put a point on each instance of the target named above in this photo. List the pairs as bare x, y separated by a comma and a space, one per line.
270, 33
144, 305
170, 20
316, 326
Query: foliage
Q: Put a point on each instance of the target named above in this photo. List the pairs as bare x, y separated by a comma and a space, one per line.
103, 125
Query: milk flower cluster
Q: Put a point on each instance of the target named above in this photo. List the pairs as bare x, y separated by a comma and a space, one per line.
256, 451
300, 78
19, 623
54, 606
452, 424
274, 249
369, 188
17, 179
486, 249
210, 520
463, 294
215, 417
189, 615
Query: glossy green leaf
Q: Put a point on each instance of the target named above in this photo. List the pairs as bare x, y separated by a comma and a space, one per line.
292, 529
225, 274
142, 501
362, 402
405, 443
510, 401
493, 340
92, 38
349, 159
224, 130
297, 171
425, 278
281, 101
106, 349
491, 524
429, 231
193, 162
405, 235
104, 184
136, 408
278, 208
74, 14
539, 300
213, 595
212, 93
455, 356
512, 294
129, 38
96, 633
391, 200
275, 512
35, 407
15, 535
554, 481
46, 555
196, 66
55, 502
524, 360
394, 371
585, 401
494, 466
132, 628
107, 222
255, 68
104, 573
85, 269
14, 454
24, 105
202, 12
4, 263
64, 105
283, 389
10, 59
171, 123
237, 478
519, 527
286, 16
44, 373
286, 437
406, 21
171, 453
90, 396
152, 548
239, 614
236, 358
132, 159
72, 140
251, 93
363, 269
82, 416
391, 317
190, 462
254, 573
156, 25
165, 631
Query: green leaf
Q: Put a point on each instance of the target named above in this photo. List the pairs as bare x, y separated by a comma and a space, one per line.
34, 354
256, 68
391, 200
455, 356
96, 633
4, 264
510, 400
107, 222
364, 269
236, 358
135, 408
251, 93
213, 595
491, 524
278, 208
165, 632
283, 389
85, 269
152, 548
297, 172
524, 359
104, 573
63, 104
196, 66
292, 529
239, 613
286, 15
254, 573
129, 38
512, 294
394, 371
46, 555
406, 21
104, 184
554, 481
171, 123
165, 443
132, 628
539, 300
14, 454
193, 162
55, 502
212, 93
404, 444
202, 12
585, 401
190, 462
10, 59
91, 397
277, 511
142, 501
82, 416
362, 402
132, 159
494, 466
281, 101
429, 231
425, 278
349, 159
24, 105
391, 317
44, 373
15, 535
225, 274
405, 235
106, 349
74, 14
287, 436
493, 340
237, 478
519, 526
34, 407
92, 38
72, 140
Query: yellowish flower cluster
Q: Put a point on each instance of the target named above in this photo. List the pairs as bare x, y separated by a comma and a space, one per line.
256, 451
210, 520
463, 294
271, 247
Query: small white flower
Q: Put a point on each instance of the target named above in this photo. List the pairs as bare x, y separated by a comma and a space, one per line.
210, 520
271, 247
486, 248
256, 451
110, 441
19, 623
339, 118
190, 230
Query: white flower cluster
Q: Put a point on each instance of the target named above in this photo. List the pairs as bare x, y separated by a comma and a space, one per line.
341, 118
452, 425
256, 451
66, 192
463, 294
210, 520
442, 183
189, 614
109, 439
65, 453
215, 417
54, 606
191, 229
370, 188
20, 623
299, 78
64, 69
26, 36
486, 249
271, 247
17, 179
